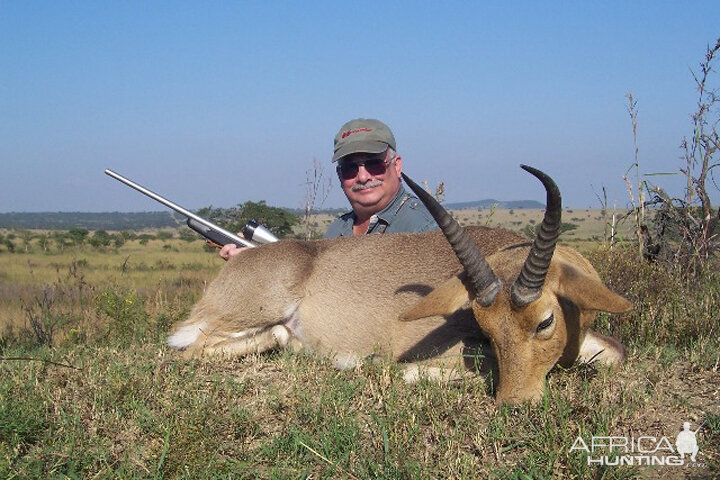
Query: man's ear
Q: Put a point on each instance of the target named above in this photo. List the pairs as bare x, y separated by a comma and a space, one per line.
398, 165
444, 300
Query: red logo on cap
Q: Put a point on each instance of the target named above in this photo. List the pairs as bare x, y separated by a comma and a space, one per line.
347, 133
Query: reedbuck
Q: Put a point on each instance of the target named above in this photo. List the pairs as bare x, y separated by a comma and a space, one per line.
417, 298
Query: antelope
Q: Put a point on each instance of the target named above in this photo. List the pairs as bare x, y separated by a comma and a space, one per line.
418, 299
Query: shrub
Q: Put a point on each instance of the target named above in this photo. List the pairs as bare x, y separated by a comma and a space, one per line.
77, 235
164, 235
670, 308
100, 238
125, 310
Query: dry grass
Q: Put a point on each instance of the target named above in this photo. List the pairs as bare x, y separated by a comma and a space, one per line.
117, 404
591, 226
151, 269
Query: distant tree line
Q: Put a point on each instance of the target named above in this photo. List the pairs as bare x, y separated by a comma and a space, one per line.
88, 220
23, 240
116, 221
26, 241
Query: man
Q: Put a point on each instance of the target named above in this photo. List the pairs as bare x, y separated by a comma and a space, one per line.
369, 169
369, 172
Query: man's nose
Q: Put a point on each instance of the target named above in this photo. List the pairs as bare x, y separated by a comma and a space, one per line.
363, 175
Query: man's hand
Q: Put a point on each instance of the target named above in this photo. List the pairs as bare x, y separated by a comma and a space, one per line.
230, 250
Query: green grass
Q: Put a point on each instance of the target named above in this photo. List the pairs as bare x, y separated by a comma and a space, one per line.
143, 413
104, 398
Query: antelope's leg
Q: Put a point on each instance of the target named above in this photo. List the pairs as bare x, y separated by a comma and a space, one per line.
461, 360
597, 347
278, 336
414, 372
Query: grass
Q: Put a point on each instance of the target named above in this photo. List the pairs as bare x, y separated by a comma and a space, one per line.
104, 398
144, 413
157, 271
589, 227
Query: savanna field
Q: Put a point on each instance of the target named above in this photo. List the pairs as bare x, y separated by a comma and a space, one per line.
88, 388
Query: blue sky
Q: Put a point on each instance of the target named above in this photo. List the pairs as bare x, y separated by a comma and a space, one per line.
223, 102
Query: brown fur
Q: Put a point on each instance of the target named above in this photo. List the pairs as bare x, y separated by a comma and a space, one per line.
349, 299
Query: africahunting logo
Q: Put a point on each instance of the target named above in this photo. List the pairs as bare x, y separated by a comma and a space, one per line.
642, 450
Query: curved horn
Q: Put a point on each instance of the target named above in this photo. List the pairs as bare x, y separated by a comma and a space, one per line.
526, 288
480, 275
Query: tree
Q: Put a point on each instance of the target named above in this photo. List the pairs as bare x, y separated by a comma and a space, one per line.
145, 238
277, 220
26, 236
44, 241
127, 235
691, 220
61, 239
187, 235
100, 238
118, 240
78, 235
7, 241
700, 158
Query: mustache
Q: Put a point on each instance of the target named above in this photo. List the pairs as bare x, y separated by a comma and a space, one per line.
363, 186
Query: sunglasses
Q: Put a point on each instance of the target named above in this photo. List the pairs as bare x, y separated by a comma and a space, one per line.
374, 166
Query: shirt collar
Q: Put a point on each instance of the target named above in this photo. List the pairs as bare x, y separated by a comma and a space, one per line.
387, 213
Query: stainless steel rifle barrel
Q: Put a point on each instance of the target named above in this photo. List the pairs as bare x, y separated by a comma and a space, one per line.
177, 207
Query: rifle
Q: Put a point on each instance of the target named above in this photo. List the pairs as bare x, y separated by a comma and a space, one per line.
207, 229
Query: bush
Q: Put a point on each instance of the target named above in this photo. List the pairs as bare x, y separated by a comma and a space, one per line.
164, 235
77, 235
7, 241
125, 310
100, 238
118, 240
669, 308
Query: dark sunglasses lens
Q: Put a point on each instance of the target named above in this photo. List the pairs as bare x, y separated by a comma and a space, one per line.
375, 166
348, 170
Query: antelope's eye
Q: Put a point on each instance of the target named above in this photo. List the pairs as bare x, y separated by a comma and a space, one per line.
545, 323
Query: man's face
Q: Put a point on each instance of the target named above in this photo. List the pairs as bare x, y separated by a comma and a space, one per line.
370, 181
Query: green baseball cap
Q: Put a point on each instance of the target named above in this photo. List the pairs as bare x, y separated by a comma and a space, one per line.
363, 135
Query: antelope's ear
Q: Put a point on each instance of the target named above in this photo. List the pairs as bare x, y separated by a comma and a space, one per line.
444, 300
588, 292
